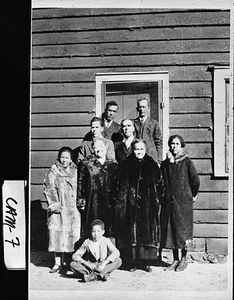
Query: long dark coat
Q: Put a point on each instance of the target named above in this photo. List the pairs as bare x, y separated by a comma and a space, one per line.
182, 184
140, 189
96, 192
60, 188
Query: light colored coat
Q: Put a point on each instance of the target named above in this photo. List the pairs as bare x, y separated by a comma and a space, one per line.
60, 190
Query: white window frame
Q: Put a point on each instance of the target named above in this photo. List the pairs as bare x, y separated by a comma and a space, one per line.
221, 74
151, 76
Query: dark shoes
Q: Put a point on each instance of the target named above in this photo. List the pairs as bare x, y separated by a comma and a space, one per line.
177, 265
103, 277
182, 265
172, 266
90, 277
148, 269
56, 268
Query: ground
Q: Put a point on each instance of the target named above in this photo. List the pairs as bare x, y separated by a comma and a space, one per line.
203, 279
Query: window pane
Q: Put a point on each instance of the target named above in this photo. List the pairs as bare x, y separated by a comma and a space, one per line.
126, 95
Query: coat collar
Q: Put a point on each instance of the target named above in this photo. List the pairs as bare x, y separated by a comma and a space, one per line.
147, 121
179, 156
62, 172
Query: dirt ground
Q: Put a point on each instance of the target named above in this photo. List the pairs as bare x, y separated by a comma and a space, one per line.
203, 279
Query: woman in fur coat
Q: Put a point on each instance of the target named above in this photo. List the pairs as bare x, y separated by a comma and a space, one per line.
141, 187
97, 188
182, 184
60, 190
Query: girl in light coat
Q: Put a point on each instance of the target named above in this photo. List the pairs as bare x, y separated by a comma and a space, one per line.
60, 190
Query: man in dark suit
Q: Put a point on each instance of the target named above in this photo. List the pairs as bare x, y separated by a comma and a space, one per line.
111, 128
123, 148
148, 130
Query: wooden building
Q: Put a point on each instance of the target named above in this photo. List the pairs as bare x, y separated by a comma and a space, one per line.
178, 58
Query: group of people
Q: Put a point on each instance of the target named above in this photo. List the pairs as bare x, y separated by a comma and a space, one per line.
118, 186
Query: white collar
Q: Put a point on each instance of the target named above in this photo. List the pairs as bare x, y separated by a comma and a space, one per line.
143, 119
128, 141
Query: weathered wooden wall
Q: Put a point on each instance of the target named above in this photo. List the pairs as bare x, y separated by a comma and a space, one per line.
69, 46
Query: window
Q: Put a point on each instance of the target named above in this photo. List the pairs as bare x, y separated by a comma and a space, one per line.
127, 88
221, 120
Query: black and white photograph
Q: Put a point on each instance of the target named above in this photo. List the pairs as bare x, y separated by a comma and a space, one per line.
130, 163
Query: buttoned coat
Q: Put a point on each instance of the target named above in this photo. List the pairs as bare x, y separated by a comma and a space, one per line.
182, 184
97, 192
151, 134
60, 190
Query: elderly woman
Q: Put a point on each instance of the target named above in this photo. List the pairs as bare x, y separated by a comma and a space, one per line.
60, 189
182, 184
137, 224
97, 188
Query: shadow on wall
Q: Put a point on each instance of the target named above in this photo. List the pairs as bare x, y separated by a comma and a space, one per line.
39, 235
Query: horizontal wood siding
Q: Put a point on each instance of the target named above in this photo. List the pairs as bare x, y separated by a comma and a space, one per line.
69, 46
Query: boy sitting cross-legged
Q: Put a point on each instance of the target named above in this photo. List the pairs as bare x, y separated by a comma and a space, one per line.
97, 257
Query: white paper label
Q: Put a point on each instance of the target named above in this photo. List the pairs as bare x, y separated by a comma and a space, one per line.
13, 203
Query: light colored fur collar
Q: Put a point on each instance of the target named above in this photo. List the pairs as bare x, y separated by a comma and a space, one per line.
179, 156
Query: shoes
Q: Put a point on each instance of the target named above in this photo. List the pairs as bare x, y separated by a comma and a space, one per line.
133, 269
182, 265
56, 268
172, 266
103, 277
148, 269
90, 277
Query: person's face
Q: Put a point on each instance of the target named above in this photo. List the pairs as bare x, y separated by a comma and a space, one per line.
175, 146
143, 108
99, 149
96, 129
65, 159
111, 112
97, 232
139, 150
127, 128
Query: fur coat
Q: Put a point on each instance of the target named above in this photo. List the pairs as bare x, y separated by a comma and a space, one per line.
182, 184
97, 192
140, 189
60, 189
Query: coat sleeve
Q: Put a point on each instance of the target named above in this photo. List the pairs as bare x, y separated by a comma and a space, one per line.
112, 251
159, 182
194, 180
158, 141
50, 191
81, 153
81, 185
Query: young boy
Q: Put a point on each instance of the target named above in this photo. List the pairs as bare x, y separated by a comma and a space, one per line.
97, 257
